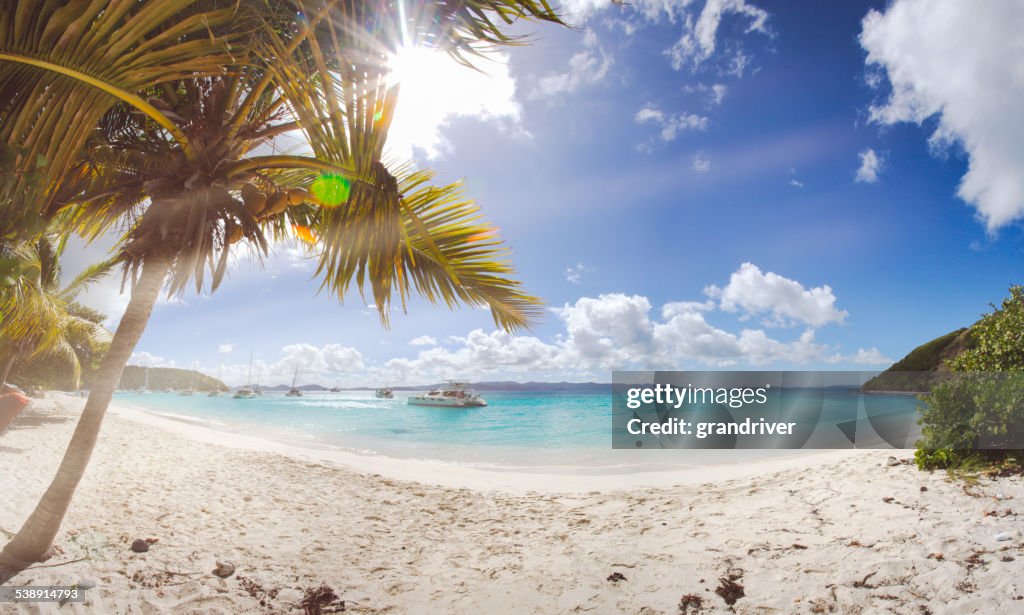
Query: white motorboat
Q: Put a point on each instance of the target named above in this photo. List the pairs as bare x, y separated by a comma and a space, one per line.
453, 394
384, 393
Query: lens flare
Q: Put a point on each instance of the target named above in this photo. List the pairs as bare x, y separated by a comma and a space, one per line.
304, 233
331, 190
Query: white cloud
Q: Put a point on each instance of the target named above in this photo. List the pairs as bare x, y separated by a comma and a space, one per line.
718, 92
615, 331
586, 67
870, 356
147, 359
699, 39
870, 165
436, 89
782, 300
961, 63
599, 334
225, 348
796, 183
671, 124
574, 275
701, 163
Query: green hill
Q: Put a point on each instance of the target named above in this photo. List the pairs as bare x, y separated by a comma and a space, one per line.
160, 378
923, 367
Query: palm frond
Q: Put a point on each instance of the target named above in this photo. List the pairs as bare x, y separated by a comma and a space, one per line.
445, 253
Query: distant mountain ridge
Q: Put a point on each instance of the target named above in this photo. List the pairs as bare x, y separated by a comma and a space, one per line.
924, 367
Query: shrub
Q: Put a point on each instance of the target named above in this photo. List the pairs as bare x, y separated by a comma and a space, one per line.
979, 413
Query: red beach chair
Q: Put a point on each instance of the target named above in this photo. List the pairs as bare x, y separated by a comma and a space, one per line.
12, 402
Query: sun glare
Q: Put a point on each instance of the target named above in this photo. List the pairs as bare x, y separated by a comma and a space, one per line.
435, 88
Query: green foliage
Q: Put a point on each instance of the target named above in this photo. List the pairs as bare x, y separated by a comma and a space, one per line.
924, 366
977, 414
999, 338
982, 409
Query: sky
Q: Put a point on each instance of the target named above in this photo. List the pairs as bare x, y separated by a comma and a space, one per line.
687, 184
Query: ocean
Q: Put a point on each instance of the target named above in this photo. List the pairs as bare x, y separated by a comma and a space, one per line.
521, 429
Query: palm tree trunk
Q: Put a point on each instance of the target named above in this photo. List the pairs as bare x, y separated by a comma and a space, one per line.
5, 367
33, 542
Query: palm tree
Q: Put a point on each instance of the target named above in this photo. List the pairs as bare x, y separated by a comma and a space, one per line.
178, 154
44, 320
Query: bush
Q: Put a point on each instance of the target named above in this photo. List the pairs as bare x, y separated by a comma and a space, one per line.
982, 409
976, 414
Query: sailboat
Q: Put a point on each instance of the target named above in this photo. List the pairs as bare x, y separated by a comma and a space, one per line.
145, 386
246, 392
294, 392
215, 391
191, 385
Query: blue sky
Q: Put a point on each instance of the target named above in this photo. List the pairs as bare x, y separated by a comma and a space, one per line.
687, 184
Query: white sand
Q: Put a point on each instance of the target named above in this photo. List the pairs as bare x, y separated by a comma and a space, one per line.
813, 534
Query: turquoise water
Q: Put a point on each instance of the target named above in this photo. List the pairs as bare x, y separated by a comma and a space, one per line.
515, 429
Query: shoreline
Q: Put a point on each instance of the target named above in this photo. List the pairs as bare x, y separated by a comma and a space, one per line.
511, 479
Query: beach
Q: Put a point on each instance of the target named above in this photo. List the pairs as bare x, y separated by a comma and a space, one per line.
841, 532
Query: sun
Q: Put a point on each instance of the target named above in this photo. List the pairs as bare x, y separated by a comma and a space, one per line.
434, 89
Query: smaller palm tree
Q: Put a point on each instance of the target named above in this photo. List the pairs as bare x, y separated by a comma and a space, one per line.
39, 318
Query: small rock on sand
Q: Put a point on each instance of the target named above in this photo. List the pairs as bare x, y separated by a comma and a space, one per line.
224, 569
140, 546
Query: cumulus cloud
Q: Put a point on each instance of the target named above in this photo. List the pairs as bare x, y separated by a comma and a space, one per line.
147, 359
586, 67
435, 89
870, 166
597, 335
781, 300
870, 356
225, 348
958, 62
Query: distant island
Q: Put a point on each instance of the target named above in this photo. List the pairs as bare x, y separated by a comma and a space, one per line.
506, 385
924, 367
160, 378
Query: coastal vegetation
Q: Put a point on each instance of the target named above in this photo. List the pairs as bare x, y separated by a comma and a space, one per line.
977, 417
172, 146
41, 322
924, 366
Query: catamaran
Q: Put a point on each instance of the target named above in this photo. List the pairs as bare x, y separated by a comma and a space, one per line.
453, 394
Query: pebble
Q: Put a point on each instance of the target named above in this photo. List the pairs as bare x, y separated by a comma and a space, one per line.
1002, 536
140, 546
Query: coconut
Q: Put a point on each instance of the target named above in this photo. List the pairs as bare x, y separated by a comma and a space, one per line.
277, 203
298, 196
233, 234
255, 201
